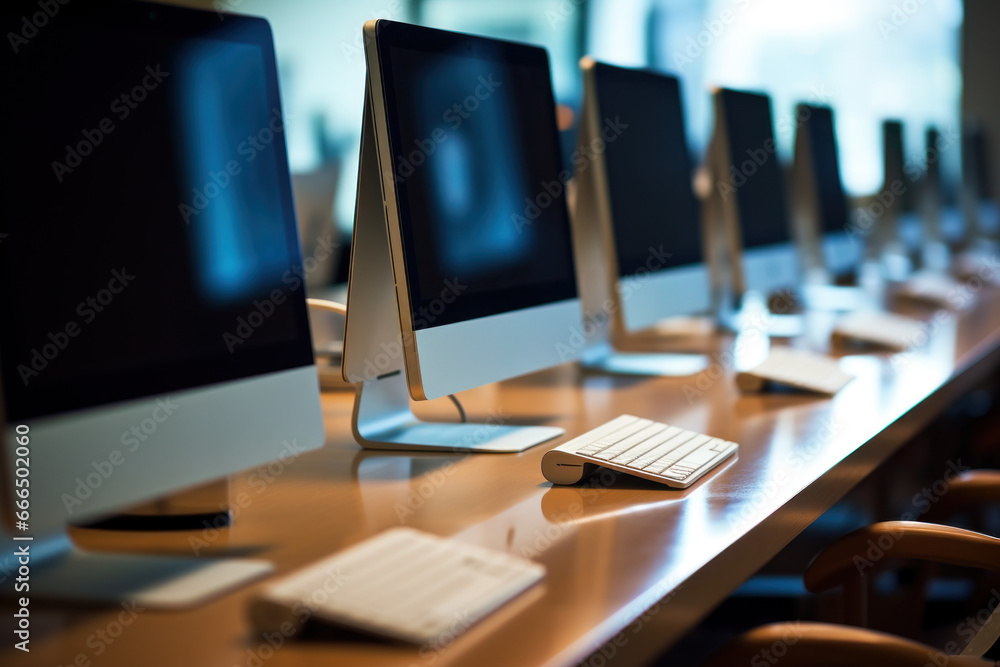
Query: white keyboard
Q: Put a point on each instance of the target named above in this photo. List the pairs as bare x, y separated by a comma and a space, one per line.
934, 289
402, 584
641, 447
892, 331
797, 369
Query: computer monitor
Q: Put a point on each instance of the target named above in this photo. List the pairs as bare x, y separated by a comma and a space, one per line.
818, 194
154, 334
749, 181
980, 209
636, 221
934, 253
468, 217
897, 192
657, 249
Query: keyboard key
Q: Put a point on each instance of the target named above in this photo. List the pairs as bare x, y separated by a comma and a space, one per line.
699, 457
643, 447
722, 445
680, 452
631, 441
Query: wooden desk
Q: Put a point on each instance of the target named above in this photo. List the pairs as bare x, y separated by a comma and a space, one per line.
629, 561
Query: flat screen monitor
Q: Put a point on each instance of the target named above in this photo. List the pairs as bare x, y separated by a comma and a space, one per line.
756, 182
818, 122
893, 153
479, 230
154, 333
904, 226
841, 253
655, 216
978, 200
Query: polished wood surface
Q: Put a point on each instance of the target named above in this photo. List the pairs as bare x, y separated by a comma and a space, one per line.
628, 561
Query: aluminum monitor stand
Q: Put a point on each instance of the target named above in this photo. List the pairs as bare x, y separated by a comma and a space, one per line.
373, 341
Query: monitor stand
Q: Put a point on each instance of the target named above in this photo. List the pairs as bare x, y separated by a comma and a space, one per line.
755, 317
603, 358
59, 570
382, 419
373, 341
836, 298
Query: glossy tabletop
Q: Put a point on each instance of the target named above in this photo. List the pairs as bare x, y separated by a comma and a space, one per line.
628, 561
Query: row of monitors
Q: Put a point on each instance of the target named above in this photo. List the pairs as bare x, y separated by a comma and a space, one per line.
150, 256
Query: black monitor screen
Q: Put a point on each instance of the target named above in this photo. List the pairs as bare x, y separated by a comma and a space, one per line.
149, 241
478, 173
753, 169
974, 159
648, 170
818, 122
894, 154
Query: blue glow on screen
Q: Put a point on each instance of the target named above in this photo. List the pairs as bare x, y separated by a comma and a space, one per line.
229, 146
475, 198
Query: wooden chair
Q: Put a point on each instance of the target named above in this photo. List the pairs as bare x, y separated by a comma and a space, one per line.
970, 490
848, 564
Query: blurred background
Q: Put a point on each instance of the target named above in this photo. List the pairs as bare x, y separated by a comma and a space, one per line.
869, 59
